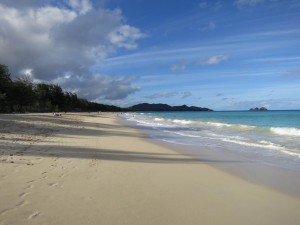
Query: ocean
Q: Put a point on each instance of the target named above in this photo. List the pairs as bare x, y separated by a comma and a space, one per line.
267, 137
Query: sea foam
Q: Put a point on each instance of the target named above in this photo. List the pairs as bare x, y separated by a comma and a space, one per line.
286, 131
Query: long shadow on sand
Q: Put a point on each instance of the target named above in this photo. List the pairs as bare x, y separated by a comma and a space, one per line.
84, 128
110, 154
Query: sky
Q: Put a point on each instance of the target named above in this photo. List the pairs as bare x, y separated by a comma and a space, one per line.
220, 54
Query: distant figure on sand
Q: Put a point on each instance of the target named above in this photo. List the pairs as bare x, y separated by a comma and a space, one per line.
56, 114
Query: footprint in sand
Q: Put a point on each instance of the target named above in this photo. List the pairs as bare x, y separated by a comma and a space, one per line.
4, 211
53, 184
33, 215
44, 175
62, 175
4, 177
20, 204
22, 195
29, 187
93, 162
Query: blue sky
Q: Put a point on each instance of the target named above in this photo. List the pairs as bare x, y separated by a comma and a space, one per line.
225, 55
254, 51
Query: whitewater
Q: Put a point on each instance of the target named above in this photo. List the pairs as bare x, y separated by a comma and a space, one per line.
270, 137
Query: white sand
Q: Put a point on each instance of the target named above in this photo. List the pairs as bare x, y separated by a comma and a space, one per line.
88, 169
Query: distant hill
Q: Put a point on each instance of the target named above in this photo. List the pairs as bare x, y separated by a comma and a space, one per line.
165, 107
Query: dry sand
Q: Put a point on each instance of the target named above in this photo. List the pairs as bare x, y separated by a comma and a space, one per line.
88, 169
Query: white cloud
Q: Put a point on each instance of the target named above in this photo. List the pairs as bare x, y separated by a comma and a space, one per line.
214, 59
215, 6
251, 3
125, 36
22, 3
99, 87
81, 6
28, 72
53, 41
234, 44
210, 26
178, 67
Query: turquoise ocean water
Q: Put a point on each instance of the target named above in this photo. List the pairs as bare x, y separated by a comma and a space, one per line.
271, 137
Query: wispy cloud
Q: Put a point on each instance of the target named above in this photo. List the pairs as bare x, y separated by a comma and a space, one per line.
276, 59
202, 5
178, 67
228, 99
216, 59
213, 5
218, 5
252, 3
186, 94
244, 3
162, 95
210, 26
293, 73
171, 94
235, 44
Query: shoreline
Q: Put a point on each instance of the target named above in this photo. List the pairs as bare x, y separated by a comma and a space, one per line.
89, 169
279, 178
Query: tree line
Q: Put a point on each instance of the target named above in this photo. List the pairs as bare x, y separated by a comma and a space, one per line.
22, 95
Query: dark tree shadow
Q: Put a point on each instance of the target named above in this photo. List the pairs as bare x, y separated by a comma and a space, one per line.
109, 154
36, 123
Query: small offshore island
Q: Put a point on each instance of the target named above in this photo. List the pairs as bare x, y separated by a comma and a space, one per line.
258, 109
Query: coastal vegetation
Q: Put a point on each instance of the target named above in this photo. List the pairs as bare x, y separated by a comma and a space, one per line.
23, 95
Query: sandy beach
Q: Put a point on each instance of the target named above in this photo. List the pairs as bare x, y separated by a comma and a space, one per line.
89, 169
